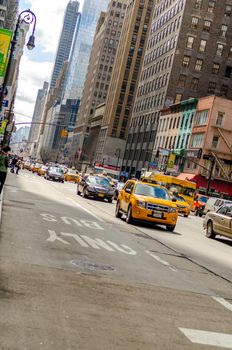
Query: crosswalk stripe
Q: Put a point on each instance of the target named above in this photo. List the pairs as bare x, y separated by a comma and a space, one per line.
208, 338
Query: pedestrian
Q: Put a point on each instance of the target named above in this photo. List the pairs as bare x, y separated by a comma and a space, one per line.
13, 163
3, 165
18, 166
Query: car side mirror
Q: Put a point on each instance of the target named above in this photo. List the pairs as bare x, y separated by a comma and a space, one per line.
174, 200
128, 190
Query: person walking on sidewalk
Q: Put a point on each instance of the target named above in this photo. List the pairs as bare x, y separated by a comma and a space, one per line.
18, 166
3, 166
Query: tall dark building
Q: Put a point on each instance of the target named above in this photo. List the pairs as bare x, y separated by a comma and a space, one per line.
71, 19
188, 55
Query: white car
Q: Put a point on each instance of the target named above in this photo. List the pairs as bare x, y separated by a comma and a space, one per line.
219, 222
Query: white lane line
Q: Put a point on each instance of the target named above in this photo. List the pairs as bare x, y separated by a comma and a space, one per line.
208, 338
223, 302
161, 261
87, 211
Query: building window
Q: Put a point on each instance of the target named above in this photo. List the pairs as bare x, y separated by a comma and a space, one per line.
195, 84
224, 29
186, 61
206, 26
220, 118
211, 6
228, 10
190, 42
202, 46
215, 68
198, 4
195, 21
224, 90
197, 140
182, 81
215, 141
198, 65
201, 117
230, 53
212, 87
220, 48
178, 98
228, 71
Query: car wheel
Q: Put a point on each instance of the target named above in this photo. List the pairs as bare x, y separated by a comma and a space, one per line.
129, 217
117, 211
186, 216
85, 194
170, 228
209, 230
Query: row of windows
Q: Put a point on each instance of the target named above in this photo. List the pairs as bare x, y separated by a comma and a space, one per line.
162, 7
138, 154
207, 26
202, 47
151, 86
107, 59
119, 5
161, 50
150, 102
212, 5
113, 32
106, 68
168, 30
146, 119
194, 85
157, 67
174, 10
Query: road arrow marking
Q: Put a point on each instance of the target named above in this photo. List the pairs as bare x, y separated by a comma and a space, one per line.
223, 302
208, 338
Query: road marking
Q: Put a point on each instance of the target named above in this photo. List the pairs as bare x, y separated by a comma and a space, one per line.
223, 302
69, 221
163, 262
208, 338
89, 242
88, 211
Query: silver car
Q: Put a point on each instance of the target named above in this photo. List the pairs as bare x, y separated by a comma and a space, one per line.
219, 222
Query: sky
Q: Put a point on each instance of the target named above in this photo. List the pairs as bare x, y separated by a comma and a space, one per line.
36, 66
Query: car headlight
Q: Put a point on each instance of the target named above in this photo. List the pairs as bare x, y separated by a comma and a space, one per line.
91, 189
141, 204
172, 210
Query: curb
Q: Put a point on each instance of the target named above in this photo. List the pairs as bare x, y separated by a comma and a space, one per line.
1, 204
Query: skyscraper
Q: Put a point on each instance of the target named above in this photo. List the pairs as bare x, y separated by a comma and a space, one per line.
98, 76
124, 81
81, 49
189, 54
70, 22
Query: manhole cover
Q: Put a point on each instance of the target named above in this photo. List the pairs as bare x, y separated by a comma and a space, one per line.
91, 265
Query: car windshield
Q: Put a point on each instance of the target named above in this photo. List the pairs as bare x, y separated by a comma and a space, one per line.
99, 181
72, 172
56, 170
203, 199
151, 191
179, 198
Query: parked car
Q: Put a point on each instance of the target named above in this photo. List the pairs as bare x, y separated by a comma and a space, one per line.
147, 202
36, 167
182, 206
118, 189
219, 223
210, 205
96, 187
55, 174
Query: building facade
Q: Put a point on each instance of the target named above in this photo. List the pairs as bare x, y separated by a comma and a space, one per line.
210, 149
123, 86
70, 24
188, 55
98, 76
8, 13
81, 48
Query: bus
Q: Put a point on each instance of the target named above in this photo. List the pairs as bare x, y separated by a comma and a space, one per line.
185, 188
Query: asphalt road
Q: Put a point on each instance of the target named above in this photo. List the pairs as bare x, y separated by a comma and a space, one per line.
72, 276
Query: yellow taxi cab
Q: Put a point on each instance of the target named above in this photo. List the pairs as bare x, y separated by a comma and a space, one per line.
35, 167
42, 170
147, 202
72, 175
182, 206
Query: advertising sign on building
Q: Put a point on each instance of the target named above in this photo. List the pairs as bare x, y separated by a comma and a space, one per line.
171, 161
5, 40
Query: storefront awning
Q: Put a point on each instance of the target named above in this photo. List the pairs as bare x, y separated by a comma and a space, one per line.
186, 176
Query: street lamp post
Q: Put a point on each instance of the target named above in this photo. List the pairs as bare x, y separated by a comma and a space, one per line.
28, 17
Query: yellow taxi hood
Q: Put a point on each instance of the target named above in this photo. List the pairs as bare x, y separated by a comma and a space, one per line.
156, 200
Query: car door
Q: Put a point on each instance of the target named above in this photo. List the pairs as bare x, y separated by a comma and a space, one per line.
124, 196
227, 222
219, 220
